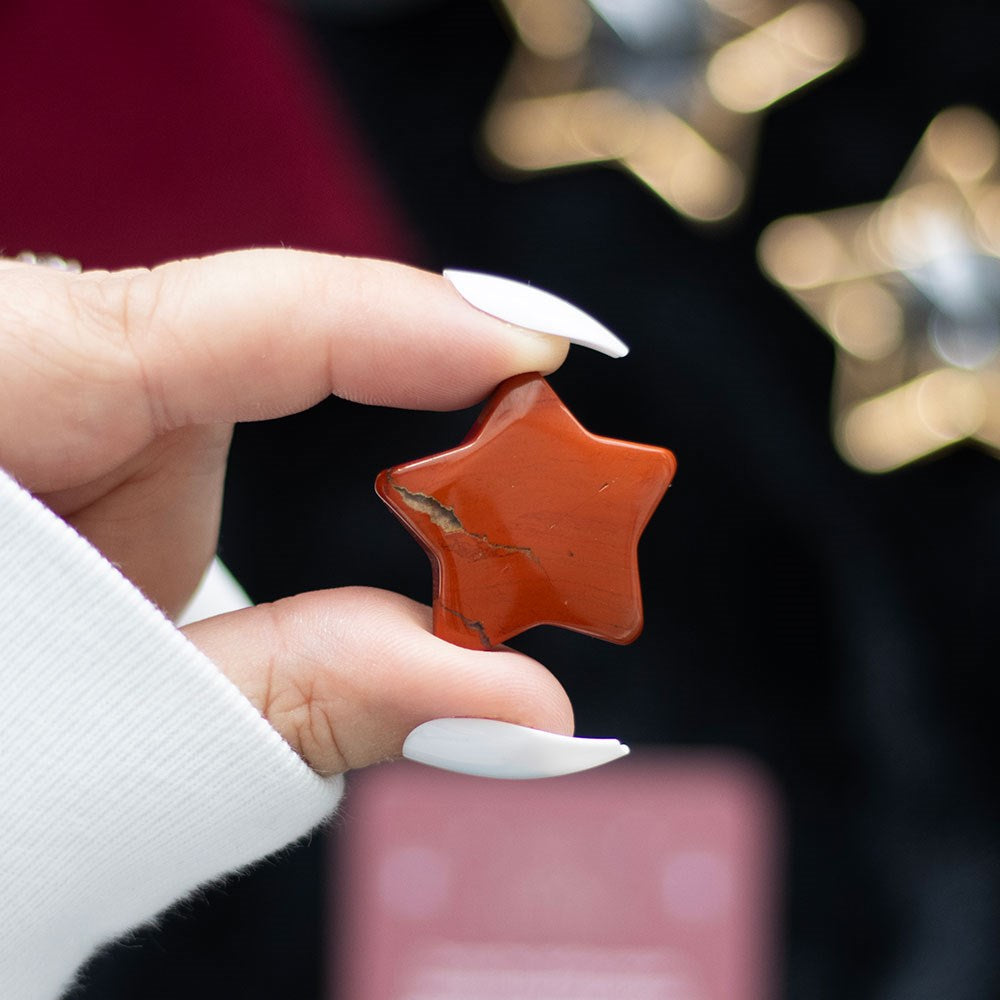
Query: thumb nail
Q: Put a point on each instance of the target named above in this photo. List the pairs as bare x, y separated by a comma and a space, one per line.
531, 308
492, 749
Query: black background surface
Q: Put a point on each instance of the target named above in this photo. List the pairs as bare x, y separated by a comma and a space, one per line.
840, 628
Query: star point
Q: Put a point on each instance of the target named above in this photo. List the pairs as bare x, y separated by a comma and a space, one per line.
532, 520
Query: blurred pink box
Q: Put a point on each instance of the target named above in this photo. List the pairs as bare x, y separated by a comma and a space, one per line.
654, 877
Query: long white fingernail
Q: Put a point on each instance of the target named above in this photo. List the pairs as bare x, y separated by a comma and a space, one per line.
524, 305
494, 749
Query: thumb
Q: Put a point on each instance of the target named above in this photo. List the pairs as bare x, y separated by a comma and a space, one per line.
345, 675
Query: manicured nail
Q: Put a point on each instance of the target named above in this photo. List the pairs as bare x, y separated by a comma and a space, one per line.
492, 749
534, 309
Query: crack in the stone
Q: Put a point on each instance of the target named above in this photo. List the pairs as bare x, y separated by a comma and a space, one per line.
444, 517
470, 623
523, 549
448, 521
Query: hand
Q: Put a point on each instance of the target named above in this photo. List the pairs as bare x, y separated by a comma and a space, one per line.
117, 396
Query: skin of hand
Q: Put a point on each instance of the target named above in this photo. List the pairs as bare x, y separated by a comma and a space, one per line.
118, 392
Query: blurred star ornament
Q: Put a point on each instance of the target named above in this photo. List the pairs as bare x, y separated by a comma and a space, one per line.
672, 90
909, 290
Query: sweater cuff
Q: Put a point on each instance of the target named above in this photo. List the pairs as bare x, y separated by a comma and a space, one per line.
131, 770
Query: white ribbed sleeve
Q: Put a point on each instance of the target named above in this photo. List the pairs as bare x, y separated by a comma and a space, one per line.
131, 769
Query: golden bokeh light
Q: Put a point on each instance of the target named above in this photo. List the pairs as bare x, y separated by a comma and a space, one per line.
909, 290
551, 30
865, 319
754, 70
801, 251
962, 144
696, 179
671, 92
914, 420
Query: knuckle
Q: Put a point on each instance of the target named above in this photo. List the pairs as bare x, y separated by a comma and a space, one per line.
294, 700
103, 303
125, 308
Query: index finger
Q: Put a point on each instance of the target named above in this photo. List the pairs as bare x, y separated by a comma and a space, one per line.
96, 365
262, 333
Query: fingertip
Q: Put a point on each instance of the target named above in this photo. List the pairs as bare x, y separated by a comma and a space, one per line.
538, 352
547, 705
442, 678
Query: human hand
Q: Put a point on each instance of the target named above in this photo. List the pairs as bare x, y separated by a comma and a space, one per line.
117, 396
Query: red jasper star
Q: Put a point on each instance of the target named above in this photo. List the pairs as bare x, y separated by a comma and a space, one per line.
532, 520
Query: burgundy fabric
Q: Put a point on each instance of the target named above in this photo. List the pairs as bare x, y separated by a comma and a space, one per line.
136, 132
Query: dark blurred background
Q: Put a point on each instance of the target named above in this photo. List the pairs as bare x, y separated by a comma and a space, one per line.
837, 627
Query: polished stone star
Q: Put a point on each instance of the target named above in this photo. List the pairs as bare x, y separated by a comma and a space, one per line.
672, 91
909, 290
532, 520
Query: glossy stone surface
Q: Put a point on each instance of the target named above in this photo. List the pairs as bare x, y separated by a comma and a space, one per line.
532, 520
